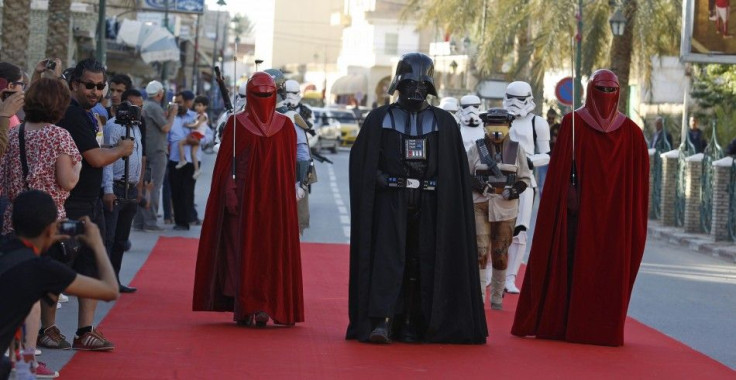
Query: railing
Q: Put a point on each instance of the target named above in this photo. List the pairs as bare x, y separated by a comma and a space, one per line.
686, 149
712, 152
661, 146
732, 203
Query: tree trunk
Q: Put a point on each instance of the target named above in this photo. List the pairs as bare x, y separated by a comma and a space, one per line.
16, 18
621, 53
57, 40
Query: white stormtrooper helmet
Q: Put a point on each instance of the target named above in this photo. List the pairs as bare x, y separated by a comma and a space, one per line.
291, 88
519, 100
449, 104
470, 111
241, 89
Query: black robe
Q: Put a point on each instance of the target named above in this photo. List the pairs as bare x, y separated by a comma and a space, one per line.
449, 284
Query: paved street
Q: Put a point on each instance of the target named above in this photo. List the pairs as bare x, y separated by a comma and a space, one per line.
686, 295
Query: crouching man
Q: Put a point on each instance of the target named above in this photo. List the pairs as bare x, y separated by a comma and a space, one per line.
499, 172
26, 278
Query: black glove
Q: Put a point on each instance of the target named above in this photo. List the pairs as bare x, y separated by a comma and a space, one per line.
513, 191
477, 184
311, 131
530, 163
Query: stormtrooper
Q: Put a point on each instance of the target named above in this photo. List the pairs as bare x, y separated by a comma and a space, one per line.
532, 134
287, 105
471, 127
413, 258
500, 173
449, 104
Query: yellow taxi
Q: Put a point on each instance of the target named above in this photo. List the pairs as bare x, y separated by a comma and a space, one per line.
347, 124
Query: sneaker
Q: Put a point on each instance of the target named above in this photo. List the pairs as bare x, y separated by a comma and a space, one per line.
152, 228
92, 341
196, 174
43, 372
58, 305
53, 338
37, 352
63, 298
181, 164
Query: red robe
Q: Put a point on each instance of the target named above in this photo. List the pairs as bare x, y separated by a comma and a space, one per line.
249, 258
613, 188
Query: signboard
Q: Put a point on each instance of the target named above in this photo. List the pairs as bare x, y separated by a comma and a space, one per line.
175, 6
707, 36
563, 91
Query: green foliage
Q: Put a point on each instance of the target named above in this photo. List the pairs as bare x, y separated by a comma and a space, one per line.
714, 90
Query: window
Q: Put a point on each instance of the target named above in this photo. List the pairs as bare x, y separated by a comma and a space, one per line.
391, 44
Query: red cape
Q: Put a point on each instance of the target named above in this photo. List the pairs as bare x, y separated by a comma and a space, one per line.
249, 258
613, 188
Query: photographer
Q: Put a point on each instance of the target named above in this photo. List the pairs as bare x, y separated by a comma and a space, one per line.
47, 160
26, 278
123, 188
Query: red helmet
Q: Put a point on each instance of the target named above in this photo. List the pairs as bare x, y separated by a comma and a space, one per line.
261, 98
601, 102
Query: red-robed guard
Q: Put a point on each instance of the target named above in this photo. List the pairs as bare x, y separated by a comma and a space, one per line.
249, 260
591, 227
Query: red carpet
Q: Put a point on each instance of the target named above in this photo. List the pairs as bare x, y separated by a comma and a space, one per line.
159, 337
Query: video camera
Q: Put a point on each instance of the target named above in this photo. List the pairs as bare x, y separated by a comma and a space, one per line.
127, 114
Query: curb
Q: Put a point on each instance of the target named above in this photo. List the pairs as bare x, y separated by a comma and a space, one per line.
701, 243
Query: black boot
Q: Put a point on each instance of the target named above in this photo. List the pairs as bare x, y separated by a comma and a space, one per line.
381, 333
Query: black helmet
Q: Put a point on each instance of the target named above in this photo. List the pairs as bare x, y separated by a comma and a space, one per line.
414, 66
497, 116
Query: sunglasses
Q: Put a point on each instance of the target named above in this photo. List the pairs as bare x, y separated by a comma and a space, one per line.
91, 85
20, 84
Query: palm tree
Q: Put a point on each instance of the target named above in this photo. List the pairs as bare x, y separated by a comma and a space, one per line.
536, 36
57, 40
15, 33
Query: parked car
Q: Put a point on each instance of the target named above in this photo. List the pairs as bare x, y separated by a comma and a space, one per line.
327, 132
347, 122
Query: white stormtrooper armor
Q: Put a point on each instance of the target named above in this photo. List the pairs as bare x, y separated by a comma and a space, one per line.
293, 96
239, 103
471, 127
450, 105
519, 101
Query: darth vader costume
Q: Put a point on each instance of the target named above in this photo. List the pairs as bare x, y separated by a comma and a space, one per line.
413, 259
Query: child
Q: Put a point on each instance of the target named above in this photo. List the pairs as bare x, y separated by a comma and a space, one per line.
199, 129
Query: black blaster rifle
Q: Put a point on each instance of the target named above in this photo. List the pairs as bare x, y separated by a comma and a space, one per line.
319, 157
228, 106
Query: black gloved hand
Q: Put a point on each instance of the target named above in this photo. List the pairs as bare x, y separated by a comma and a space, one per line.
311, 132
513, 191
382, 179
530, 163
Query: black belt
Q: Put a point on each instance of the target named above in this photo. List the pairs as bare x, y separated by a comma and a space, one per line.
412, 183
122, 183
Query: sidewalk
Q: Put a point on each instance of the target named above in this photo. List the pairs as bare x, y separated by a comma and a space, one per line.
701, 243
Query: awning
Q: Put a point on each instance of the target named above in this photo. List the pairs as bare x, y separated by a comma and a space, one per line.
155, 44
350, 85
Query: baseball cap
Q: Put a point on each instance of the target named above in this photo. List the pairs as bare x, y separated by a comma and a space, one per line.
187, 95
154, 87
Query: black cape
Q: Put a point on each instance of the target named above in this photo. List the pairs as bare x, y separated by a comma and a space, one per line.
451, 300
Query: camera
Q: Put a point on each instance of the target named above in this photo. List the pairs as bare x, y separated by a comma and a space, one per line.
127, 114
50, 64
71, 227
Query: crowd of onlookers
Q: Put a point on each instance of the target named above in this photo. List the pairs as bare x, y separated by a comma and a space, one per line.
84, 157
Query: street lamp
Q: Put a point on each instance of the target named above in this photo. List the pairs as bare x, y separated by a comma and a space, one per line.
618, 23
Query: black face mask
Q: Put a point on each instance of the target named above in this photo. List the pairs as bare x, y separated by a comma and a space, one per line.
413, 95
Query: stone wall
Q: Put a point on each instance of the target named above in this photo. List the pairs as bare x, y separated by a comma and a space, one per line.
693, 172
721, 198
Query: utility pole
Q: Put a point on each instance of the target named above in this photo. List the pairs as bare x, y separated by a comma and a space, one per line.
195, 64
101, 31
164, 74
